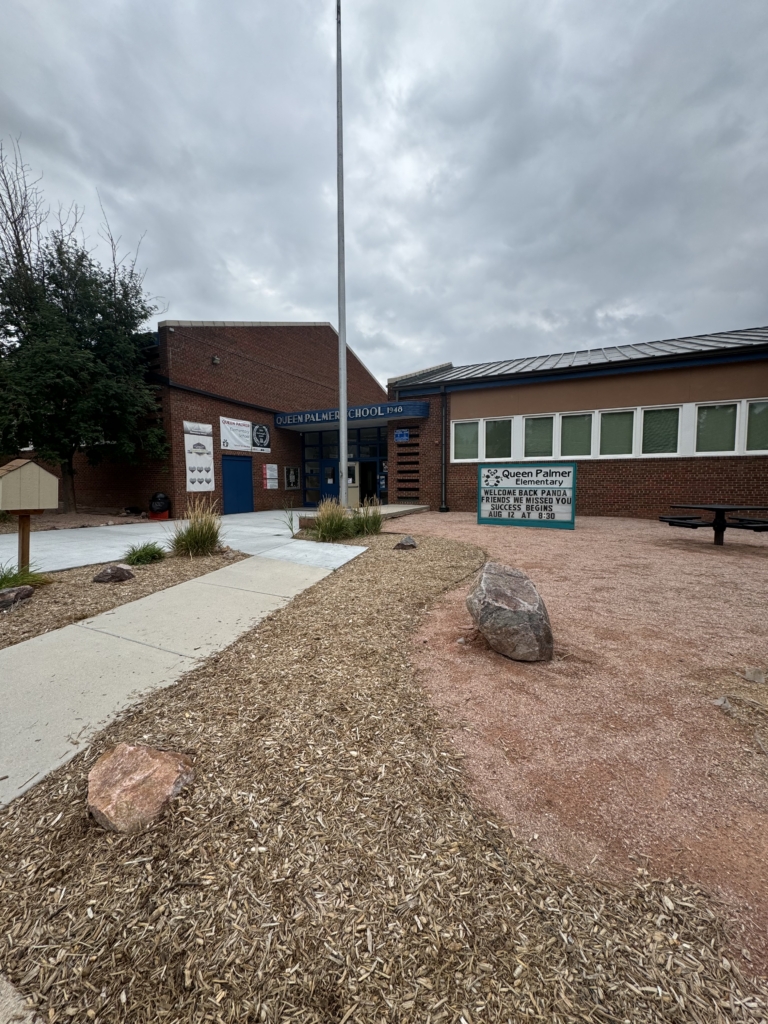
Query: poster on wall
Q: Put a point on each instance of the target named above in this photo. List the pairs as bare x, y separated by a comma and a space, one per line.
292, 478
260, 438
527, 494
269, 477
198, 452
235, 434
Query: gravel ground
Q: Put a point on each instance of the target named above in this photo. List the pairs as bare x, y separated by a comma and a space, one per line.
73, 595
328, 863
614, 754
69, 521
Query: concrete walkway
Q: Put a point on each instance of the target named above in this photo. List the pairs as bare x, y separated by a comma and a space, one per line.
58, 689
255, 533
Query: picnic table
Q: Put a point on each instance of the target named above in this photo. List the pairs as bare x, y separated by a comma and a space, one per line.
719, 524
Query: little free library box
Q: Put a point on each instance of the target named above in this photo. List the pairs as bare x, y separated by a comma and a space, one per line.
527, 494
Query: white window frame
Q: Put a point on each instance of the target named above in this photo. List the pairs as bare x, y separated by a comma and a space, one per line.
480, 440
582, 412
481, 447
751, 451
643, 409
555, 436
687, 426
625, 455
739, 434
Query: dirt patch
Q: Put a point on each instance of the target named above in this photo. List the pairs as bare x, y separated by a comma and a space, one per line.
73, 595
328, 864
614, 756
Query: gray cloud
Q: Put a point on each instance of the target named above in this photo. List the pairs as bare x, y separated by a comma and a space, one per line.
520, 177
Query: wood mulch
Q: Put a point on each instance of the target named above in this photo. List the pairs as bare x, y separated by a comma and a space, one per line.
328, 863
72, 595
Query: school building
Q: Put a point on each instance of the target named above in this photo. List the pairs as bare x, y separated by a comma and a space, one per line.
251, 414
652, 424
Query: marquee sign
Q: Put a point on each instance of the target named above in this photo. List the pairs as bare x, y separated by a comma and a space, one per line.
527, 494
355, 414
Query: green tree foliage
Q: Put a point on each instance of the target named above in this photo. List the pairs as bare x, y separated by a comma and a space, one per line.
72, 370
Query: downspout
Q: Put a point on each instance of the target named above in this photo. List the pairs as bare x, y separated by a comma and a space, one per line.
443, 497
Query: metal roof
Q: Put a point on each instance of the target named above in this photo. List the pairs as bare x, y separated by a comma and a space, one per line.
645, 351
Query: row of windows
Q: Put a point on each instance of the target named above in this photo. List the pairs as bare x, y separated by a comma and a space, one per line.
717, 428
362, 443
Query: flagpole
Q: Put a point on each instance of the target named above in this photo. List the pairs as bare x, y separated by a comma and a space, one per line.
343, 499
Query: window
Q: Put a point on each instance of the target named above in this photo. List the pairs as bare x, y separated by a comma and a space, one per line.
660, 430
538, 436
757, 427
465, 436
498, 439
576, 434
716, 428
616, 429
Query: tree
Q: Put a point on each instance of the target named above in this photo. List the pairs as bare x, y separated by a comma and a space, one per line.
72, 370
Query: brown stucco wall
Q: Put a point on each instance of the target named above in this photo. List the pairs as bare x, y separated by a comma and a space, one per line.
660, 387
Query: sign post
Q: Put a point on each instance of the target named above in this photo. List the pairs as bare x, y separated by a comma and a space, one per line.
527, 494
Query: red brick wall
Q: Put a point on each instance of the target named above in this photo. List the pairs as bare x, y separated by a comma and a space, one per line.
286, 368
638, 488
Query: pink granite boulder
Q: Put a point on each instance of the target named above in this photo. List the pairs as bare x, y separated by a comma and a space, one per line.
129, 787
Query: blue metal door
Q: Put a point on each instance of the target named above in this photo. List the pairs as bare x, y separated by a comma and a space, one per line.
329, 478
237, 474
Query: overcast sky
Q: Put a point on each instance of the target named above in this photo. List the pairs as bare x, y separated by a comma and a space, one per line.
522, 177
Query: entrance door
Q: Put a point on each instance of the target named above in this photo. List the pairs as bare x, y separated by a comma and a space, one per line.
329, 478
368, 480
237, 475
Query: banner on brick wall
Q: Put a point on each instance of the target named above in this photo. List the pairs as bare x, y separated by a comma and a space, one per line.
198, 452
235, 434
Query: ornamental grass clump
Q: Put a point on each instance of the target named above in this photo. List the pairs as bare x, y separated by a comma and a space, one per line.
199, 535
332, 522
10, 576
367, 520
144, 554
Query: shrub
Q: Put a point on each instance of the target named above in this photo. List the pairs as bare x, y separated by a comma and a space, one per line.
332, 522
143, 554
30, 577
367, 519
5, 517
200, 534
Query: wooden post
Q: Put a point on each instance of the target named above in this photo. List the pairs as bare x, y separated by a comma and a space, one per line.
24, 529
23, 541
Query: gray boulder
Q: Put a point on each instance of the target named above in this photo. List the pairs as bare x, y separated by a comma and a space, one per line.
113, 574
406, 544
11, 596
510, 613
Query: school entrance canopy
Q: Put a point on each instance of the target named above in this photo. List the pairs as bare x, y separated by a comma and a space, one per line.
357, 416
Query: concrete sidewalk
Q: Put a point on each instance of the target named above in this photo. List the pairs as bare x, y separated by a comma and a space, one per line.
58, 689
254, 533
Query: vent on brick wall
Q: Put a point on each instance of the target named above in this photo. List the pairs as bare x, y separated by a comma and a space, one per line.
407, 466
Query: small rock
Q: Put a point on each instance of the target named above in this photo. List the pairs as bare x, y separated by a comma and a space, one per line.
510, 613
753, 675
11, 596
129, 787
405, 544
110, 522
113, 574
461, 640
723, 703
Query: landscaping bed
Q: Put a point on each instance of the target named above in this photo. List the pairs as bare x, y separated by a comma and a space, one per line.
72, 595
328, 863
53, 520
